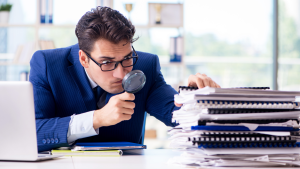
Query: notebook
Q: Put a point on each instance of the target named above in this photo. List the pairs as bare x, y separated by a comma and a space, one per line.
205, 104
107, 146
241, 91
17, 123
236, 111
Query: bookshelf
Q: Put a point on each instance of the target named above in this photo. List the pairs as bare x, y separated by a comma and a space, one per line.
37, 27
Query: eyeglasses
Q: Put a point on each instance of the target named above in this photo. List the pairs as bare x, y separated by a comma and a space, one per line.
107, 65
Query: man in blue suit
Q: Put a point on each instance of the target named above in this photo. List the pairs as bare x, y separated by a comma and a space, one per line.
78, 90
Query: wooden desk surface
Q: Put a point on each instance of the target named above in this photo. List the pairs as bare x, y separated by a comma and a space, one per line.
132, 159
141, 159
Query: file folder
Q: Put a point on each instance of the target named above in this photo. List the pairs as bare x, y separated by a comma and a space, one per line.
107, 146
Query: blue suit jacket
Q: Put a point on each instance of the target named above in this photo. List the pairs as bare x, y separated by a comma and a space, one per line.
61, 89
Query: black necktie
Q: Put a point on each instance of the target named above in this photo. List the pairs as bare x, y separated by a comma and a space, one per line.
97, 92
100, 96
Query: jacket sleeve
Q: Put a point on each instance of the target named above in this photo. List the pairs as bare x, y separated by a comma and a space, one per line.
160, 101
51, 130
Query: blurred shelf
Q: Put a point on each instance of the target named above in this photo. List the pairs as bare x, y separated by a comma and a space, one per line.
38, 25
13, 64
8, 56
74, 25
17, 25
57, 26
170, 64
158, 26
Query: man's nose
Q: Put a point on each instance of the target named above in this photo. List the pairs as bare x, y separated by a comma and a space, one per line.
119, 71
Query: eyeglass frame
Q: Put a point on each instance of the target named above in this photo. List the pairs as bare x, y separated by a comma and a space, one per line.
116, 62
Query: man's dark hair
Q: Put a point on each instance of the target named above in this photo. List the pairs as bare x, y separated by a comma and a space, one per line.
103, 23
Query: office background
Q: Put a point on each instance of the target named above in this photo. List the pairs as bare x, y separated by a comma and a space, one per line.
236, 43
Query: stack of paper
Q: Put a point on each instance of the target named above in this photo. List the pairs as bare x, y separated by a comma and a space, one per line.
236, 128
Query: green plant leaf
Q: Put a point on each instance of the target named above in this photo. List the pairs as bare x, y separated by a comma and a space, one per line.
5, 7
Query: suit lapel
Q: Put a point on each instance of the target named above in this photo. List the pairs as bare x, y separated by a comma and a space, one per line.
81, 80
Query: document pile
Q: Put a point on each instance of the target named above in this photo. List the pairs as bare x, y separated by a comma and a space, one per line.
236, 127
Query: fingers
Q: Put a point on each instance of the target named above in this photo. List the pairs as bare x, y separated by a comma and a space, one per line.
194, 81
177, 104
201, 80
127, 104
126, 96
125, 117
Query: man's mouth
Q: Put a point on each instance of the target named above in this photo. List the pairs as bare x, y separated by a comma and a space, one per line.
120, 81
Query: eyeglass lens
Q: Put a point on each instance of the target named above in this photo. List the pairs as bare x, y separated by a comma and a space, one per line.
125, 63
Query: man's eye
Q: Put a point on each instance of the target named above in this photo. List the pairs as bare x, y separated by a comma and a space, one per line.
106, 62
127, 57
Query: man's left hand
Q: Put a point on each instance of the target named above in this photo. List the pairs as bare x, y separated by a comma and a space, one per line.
200, 81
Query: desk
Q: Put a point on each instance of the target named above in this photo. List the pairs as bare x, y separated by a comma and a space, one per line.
150, 159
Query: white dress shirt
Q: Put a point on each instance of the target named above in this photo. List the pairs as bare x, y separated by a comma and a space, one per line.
81, 125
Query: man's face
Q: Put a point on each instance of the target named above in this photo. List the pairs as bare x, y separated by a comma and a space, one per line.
103, 50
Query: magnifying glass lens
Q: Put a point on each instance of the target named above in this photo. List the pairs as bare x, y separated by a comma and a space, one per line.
134, 81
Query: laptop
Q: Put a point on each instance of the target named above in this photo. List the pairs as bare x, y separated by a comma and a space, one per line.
18, 140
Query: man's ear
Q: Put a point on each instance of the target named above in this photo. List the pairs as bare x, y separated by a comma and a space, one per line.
83, 59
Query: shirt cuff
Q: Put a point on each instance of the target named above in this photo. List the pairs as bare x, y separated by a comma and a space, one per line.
81, 126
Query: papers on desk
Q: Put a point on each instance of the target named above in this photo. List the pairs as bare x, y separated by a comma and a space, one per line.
193, 158
221, 128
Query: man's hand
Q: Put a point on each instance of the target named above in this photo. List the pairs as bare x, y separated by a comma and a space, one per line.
200, 81
117, 109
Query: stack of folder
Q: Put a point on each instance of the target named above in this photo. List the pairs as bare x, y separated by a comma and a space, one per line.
236, 127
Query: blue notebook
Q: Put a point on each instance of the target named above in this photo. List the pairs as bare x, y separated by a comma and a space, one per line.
107, 146
243, 128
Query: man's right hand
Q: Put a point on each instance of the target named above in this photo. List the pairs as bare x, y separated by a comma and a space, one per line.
118, 108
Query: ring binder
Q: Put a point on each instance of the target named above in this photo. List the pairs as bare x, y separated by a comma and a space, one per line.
241, 134
237, 111
243, 128
206, 104
255, 121
215, 123
190, 88
249, 145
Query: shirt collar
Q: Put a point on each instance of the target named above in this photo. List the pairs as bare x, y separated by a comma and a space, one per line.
92, 83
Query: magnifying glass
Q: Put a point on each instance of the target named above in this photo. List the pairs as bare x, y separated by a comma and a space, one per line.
134, 81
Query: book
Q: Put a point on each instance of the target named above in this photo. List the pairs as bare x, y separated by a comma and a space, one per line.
205, 104
107, 146
99, 153
43, 11
236, 111
176, 49
46, 11
244, 128
190, 88
233, 97
241, 91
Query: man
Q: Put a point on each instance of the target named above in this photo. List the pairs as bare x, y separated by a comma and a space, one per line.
78, 90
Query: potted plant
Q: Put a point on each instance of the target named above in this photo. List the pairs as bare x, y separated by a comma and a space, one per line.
4, 12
